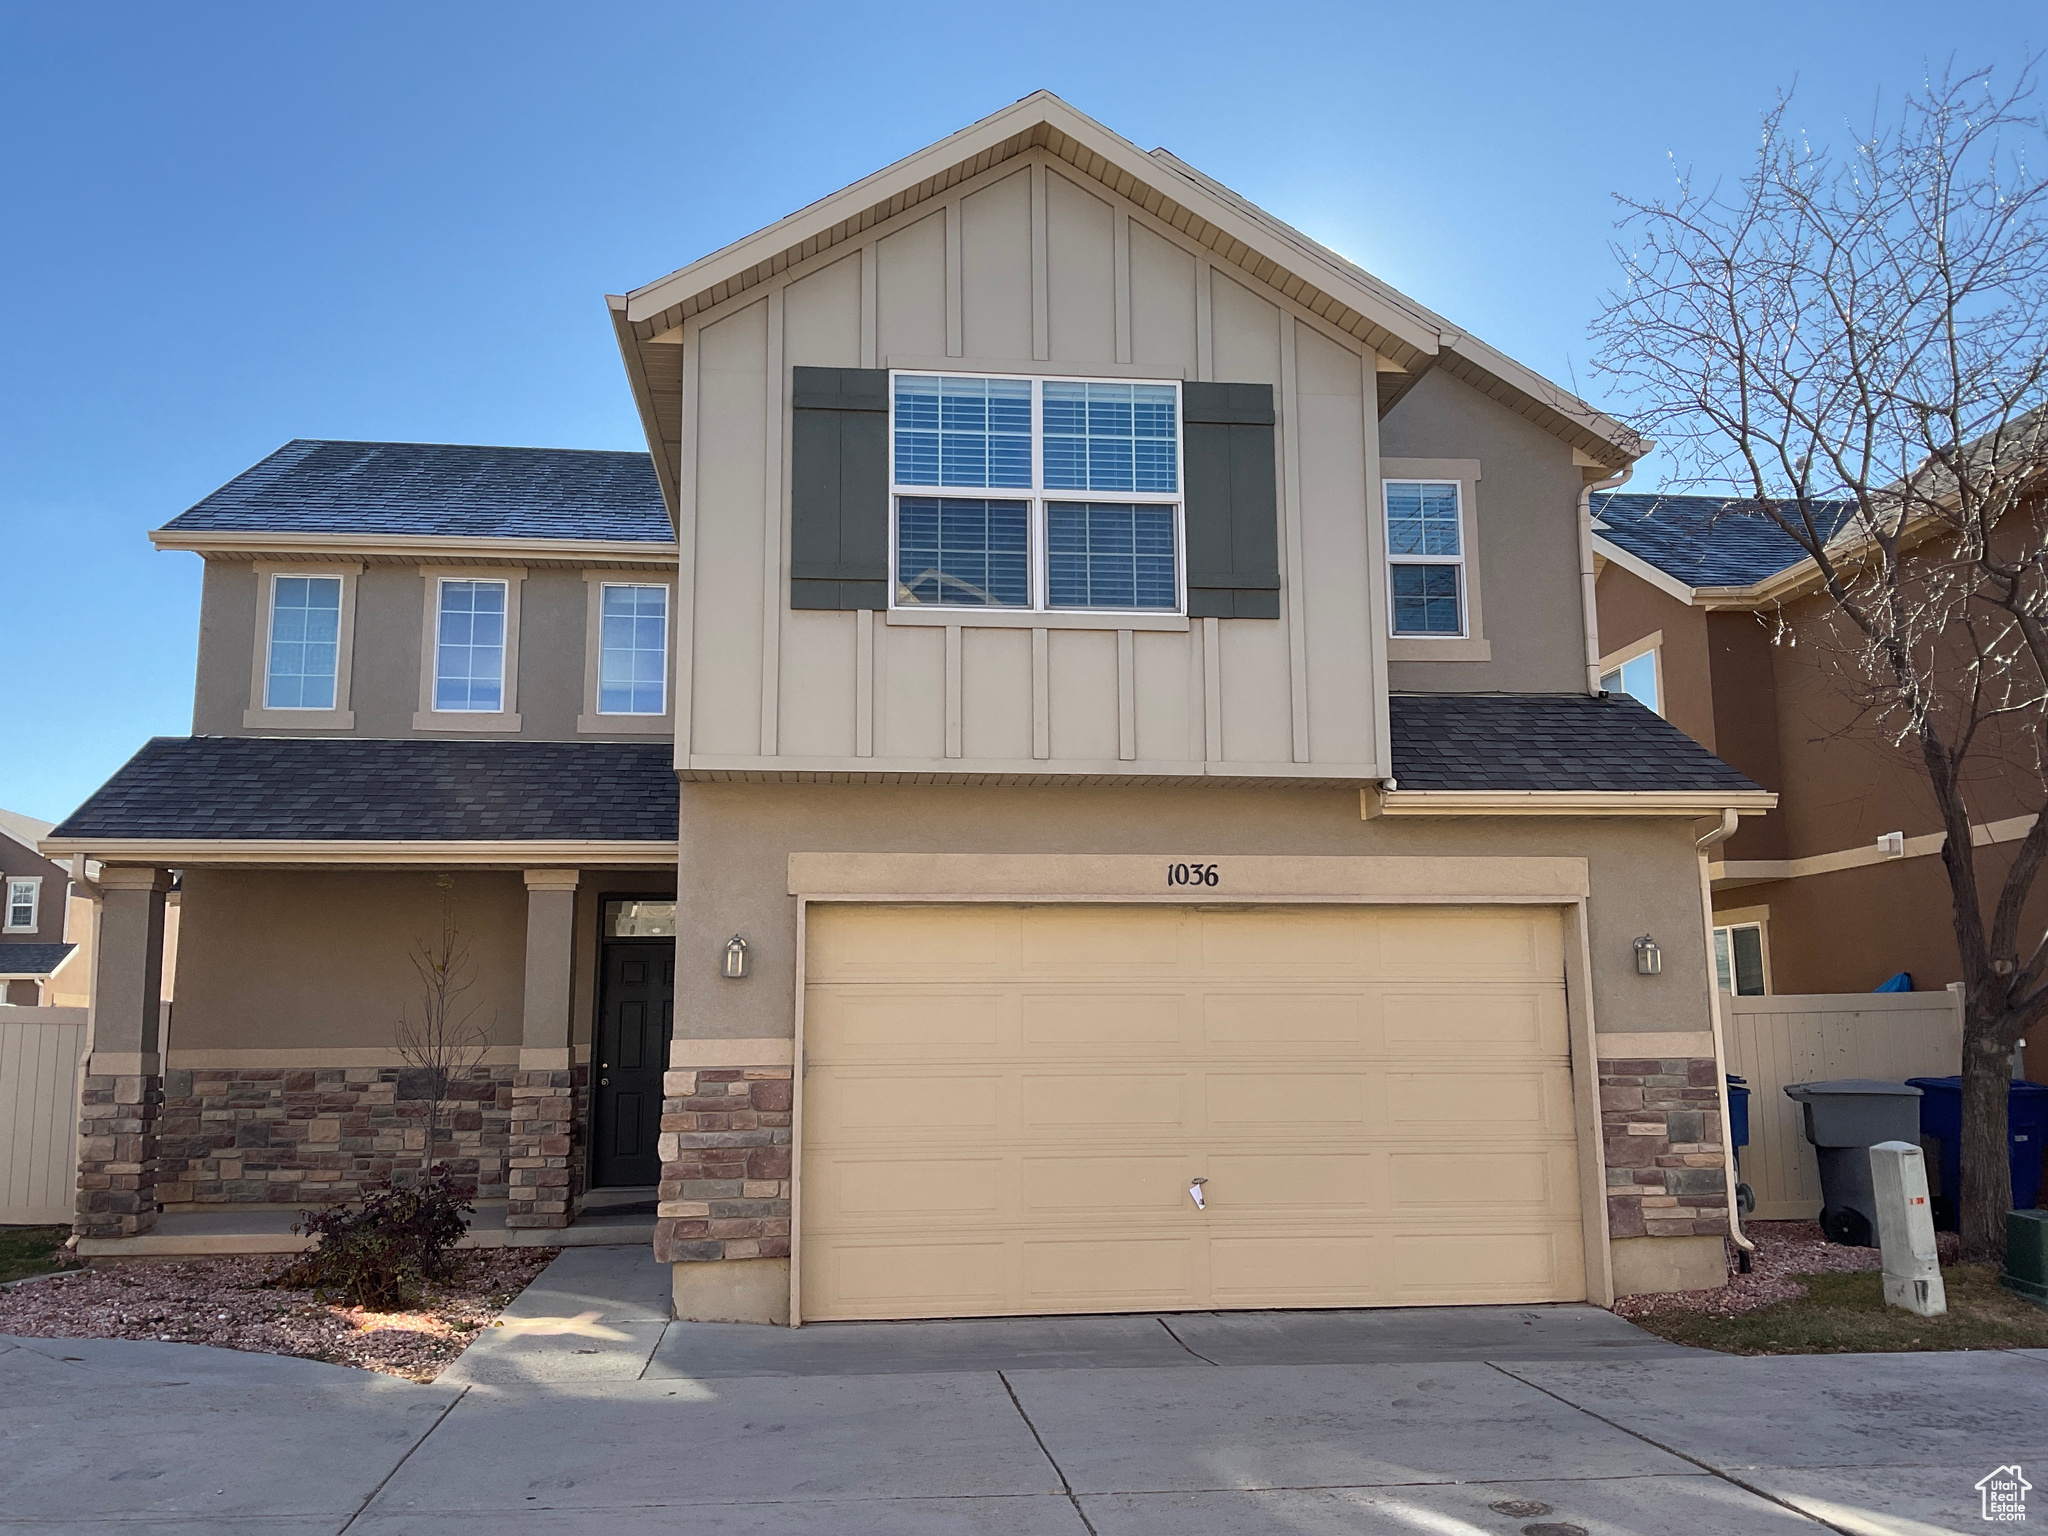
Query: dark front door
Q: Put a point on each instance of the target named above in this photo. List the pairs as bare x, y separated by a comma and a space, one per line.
633, 1026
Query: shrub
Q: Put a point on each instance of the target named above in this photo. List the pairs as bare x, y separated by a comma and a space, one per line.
377, 1254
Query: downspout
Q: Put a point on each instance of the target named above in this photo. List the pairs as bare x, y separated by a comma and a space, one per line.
1744, 1247
1588, 577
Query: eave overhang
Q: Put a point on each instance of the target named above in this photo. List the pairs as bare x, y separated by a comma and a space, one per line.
242, 544
317, 853
1691, 803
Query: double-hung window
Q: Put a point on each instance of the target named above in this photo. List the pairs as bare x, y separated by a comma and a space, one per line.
469, 646
305, 642
24, 894
632, 676
1426, 558
1035, 494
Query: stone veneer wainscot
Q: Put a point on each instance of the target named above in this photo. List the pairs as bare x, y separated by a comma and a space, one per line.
1660, 1119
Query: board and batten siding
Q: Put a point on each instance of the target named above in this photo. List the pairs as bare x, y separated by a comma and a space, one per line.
1024, 270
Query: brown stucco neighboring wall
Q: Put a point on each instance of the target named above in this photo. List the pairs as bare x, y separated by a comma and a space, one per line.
316, 959
1631, 609
736, 839
1744, 701
17, 859
1528, 551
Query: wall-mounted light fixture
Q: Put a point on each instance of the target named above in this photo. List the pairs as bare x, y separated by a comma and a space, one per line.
1649, 958
735, 958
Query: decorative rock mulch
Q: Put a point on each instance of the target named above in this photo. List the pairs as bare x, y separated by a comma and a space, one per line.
1785, 1249
222, 1302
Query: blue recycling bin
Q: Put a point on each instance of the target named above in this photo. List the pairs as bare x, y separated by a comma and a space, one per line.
2026, 1127
1738, 1138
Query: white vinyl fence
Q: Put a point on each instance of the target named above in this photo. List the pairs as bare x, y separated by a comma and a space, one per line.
39, 1058
1773, 1041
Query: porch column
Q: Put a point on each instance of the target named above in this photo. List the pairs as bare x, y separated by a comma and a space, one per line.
545, 1172
122, 1099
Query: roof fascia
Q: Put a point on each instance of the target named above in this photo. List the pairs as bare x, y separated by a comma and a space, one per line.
1002, 136
181, 853
643, 402
409, 546
1643, 570
1376, 802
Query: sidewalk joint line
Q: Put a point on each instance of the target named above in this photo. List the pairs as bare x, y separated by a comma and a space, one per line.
384, 1481
1059, 1471
1672, 1450
1183, 1343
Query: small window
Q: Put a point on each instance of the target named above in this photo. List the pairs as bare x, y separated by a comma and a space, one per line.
1426, 558
1636, 677
469, 647
955, 441
640, 918
305, 642
23, 897
1739, 959
633, 650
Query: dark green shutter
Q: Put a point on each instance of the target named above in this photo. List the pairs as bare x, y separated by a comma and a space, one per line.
839, 488
1233, 501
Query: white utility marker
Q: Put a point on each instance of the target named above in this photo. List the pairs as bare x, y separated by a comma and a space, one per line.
1905, 1229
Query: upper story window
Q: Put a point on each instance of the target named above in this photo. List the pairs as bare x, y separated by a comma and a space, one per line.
24, 896
1095, 521
1636, 677
305, 642
469, 647
1426, 558
633, 649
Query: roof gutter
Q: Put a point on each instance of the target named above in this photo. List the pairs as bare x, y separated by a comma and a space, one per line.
1589, 576
1379, 800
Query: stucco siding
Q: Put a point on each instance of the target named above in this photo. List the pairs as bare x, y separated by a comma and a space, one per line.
1528, 501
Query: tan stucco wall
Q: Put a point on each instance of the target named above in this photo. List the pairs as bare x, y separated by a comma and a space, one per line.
736, 839
1528, 552
391, 603
303, 959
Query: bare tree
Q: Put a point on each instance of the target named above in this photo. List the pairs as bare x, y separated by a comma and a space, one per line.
1857, 342
447, 1041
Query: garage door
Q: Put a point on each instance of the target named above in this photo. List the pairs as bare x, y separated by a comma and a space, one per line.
1005, 1106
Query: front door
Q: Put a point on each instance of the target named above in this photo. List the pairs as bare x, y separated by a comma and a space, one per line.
634, 1019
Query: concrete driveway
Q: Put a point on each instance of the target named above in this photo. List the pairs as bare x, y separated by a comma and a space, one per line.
590, 1412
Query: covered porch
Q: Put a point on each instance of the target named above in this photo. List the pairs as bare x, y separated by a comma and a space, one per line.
486, 995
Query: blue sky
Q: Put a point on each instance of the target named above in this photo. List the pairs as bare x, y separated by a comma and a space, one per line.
227, 226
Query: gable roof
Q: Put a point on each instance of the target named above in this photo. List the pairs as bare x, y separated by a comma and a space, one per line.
25, 830
437, 490
1704, 541
32, 960
1235, 230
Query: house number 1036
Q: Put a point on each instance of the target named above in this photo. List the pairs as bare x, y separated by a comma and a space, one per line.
1193, 874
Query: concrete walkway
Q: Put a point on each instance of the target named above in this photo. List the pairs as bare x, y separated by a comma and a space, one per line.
589, 1412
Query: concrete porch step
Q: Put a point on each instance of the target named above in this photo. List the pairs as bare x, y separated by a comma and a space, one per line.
226, 1231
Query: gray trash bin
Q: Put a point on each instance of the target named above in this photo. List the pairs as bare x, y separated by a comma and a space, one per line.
1844, 1119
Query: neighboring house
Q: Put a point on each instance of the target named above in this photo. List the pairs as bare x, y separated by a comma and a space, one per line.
1071, 780
35, 947
1842, 886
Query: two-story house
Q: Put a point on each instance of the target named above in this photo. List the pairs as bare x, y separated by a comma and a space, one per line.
1714, 617
1072, 778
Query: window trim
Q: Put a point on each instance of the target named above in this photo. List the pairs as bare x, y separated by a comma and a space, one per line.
428, 718
35, 904
1038, 613
592, 721
1651, 645
260, 715
1470, 644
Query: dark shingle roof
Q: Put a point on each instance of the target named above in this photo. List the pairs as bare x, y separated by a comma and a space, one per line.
32, 959
1706, 541
257, 787
450, 490
1546, 741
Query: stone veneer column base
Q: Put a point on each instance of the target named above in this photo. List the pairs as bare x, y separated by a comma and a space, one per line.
545, 1152
117, 1156
725, 1185
1660, 1120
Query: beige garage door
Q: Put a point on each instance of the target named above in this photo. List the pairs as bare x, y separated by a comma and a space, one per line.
1004, 1107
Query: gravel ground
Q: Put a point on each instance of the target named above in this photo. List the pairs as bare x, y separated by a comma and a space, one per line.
1785, 1251
222, 1302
